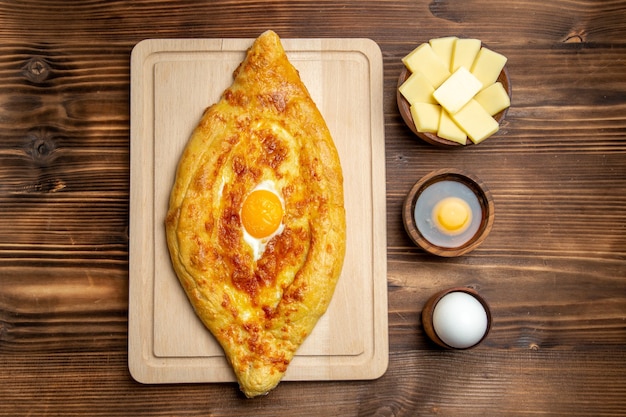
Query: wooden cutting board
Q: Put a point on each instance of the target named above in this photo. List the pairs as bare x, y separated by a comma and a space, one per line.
172, 82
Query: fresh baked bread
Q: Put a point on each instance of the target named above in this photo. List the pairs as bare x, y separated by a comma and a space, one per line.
256, 222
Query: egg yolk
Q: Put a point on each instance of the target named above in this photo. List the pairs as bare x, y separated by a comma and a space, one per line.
452, 215
261, 213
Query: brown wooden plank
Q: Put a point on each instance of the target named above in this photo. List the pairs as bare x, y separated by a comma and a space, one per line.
553, 267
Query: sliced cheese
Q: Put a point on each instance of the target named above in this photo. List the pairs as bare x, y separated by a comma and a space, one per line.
464, 53
449, 130
487, 66
443, 48
423, 59
417, 89
475, 121
457, 90
426, 117
494, 98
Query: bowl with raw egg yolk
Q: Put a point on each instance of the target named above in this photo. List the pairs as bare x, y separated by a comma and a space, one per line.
448, 212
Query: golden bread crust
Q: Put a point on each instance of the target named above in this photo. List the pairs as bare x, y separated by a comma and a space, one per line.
265, 127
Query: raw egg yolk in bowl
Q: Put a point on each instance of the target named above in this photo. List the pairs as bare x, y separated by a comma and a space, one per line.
452, 215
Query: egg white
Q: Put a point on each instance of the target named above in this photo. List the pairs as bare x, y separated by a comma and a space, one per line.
258, 245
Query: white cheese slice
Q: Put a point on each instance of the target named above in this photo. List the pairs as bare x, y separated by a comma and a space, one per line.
475, 121
417, 89
426, 117
487, 66
449, 130
443, 48
494, 98
423, 59
457, 90
464, 53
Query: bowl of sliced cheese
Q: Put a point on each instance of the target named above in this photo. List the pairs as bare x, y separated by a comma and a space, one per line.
453, 91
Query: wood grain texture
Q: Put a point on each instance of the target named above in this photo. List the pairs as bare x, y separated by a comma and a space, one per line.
553, 268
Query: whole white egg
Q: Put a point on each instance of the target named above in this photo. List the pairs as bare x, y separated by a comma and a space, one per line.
460, 320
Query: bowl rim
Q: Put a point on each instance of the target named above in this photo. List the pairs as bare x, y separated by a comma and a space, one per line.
484, 198
405, 110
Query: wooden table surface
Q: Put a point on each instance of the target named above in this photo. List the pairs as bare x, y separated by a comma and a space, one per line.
553, 267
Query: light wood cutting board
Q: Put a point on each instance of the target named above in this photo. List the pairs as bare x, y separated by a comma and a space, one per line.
172, 82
